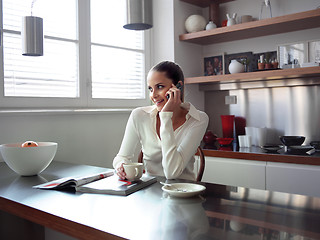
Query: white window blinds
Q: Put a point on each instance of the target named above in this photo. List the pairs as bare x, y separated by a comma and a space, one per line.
117, 54
89, 58
56, 73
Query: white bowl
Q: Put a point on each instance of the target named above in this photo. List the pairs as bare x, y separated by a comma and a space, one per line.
28, 161
183, 190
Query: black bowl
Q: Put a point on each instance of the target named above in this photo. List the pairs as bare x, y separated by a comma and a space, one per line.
292, 140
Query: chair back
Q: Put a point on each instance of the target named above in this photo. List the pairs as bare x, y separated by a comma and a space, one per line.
201, 167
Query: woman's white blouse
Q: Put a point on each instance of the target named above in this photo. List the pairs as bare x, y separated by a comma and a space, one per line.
171, 155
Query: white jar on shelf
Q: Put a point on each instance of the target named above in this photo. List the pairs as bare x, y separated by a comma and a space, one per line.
211, 25
236, 67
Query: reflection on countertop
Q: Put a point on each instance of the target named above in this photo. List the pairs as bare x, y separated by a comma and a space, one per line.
243, 213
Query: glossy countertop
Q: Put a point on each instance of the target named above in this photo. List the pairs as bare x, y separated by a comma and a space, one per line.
222, 212
259, 154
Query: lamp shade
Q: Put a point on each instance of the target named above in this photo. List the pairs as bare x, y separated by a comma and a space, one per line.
139, 14
32, 36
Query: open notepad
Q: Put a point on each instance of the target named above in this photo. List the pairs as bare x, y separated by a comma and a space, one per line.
105, 183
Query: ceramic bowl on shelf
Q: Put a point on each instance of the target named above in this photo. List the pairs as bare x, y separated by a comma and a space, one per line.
225, 141
28, 161
292, 140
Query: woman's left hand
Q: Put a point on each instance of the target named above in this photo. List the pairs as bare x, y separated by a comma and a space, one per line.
174, 100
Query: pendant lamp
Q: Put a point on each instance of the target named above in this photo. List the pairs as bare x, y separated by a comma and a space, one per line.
139, 15
32, 35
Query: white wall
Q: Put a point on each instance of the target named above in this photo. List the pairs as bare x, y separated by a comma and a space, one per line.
188, 55
162, 31
85, 138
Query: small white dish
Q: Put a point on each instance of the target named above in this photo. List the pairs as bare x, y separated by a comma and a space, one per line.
183, 190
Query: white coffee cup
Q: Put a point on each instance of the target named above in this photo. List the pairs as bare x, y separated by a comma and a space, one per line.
261, 136
133, 170
244, 141
250, 131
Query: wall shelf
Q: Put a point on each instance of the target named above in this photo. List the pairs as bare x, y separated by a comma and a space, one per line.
264, 27
291, 73
205, 3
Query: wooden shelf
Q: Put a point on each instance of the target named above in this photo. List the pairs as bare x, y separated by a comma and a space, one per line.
275, 25
205, 3
260, 75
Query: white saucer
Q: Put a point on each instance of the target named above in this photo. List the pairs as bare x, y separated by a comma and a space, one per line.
183, 190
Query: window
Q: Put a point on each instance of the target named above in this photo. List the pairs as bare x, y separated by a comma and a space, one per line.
50, 75
119, 76
89, 59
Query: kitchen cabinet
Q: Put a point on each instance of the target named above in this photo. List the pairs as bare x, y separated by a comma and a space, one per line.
235, 172
282, 24
273, 176
293, 178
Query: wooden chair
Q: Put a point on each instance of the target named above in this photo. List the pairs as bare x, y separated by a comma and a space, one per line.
201, 168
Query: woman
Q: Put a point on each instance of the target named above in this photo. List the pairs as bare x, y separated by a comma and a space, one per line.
169, 131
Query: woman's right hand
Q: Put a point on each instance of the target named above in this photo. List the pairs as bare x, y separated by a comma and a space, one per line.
120, 172
174, 100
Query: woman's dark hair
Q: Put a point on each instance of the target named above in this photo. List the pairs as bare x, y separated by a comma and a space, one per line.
171, 69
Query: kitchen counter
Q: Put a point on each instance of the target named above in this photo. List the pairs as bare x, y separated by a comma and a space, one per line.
222, 212
258, 154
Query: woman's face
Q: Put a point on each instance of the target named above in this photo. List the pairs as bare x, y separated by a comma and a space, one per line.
158, 85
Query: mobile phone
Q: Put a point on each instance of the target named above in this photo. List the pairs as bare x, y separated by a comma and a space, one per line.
178, 86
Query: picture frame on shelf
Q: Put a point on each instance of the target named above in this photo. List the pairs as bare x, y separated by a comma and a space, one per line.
292, 55
245, 57
272, 55
314, 51
214, 65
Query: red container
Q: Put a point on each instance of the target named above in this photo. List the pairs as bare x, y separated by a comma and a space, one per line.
225, 141
209, 138
227, 125
240, 124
